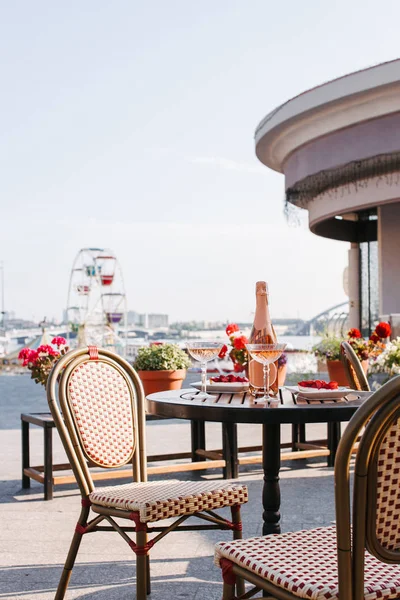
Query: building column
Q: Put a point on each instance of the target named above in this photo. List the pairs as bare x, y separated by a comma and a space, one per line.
354, 286
389, 259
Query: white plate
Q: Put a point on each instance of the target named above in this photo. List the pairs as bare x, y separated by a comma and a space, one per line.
313, 394
218, 388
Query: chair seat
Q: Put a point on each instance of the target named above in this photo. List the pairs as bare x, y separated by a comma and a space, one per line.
305, 564
161, 500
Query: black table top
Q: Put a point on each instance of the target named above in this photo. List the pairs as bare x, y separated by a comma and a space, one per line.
240, 408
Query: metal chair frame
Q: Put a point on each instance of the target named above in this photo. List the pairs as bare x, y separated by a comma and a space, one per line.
353, 368
355, 531
65, 420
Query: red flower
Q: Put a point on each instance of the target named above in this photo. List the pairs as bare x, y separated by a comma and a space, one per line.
231, 328
240, 342
27, 355
33, 357
46, 349
223, 351
383, 330
354, 333
59, 341
238, 368
374, 337
24, 353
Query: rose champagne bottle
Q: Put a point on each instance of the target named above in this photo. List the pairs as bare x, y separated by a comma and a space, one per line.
262, 332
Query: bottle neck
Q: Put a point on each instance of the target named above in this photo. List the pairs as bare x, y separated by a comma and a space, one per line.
262, 316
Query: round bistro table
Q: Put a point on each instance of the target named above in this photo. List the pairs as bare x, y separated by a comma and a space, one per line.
229, 409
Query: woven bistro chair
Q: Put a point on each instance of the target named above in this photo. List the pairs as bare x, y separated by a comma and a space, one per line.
97, 402
353, 368
358, 559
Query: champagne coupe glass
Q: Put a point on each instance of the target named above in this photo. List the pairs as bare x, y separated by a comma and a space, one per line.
204, 351
265, 354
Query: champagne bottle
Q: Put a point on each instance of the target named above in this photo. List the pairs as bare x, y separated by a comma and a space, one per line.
262, 332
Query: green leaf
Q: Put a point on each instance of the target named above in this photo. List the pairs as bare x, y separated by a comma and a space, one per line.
163, 357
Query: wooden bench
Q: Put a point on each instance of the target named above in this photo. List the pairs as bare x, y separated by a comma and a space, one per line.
45, 474
227, 458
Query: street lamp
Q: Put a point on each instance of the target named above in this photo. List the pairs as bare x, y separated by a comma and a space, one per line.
3, 312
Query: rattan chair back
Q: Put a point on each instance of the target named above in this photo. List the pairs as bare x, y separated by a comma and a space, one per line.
376, 497
97, 402
353, 368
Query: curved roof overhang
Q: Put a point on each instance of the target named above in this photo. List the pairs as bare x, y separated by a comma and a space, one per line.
347, 231
335, 140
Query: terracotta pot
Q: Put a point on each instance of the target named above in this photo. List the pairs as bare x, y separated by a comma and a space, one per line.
336, 372
282, 375
159, 381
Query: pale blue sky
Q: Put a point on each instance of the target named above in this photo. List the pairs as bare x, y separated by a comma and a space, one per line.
130, 125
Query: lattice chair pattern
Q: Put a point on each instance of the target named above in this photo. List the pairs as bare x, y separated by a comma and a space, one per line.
359, 557
97, 402
353, 368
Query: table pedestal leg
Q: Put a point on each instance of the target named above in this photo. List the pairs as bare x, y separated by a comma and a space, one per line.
271, 497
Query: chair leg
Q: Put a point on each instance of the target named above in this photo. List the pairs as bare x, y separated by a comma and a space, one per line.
228, 591
141, 567
237, 535
334, 432
73, 551
148, 580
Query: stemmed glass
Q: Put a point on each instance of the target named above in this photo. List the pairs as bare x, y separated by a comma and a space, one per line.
265, 354
204, 351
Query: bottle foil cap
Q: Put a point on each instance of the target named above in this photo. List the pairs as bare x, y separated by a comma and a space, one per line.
261, 287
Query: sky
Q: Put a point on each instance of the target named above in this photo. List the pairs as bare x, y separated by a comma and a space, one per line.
130, 125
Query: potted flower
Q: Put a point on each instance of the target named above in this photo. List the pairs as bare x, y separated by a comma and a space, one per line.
371, 348
161, 367
41, 361
237, 352
329, 347
389, 360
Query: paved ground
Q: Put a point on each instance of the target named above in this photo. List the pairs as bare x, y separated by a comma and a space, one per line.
35, 535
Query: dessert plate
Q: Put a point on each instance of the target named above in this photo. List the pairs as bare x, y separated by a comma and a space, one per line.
314, 394
218, 388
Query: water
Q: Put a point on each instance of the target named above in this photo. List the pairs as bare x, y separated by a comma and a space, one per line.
300, 342
19, 393
294, 342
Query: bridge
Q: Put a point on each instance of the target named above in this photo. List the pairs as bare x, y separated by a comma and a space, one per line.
322, 320
328, 318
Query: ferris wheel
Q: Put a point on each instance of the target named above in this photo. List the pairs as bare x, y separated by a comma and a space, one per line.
96, 304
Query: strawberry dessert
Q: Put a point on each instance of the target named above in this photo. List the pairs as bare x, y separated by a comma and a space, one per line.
317, 384
229, 379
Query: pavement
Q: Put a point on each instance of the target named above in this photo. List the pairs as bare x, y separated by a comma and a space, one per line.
35, 535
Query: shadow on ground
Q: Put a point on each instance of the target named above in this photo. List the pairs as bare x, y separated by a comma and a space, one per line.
108, 580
